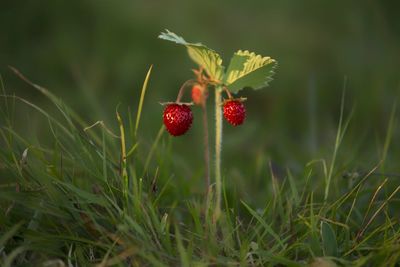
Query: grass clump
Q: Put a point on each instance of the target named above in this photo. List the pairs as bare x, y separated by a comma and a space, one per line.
95, 197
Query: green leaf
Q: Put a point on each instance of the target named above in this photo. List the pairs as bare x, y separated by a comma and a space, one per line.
328, 239
199, 53
247, 69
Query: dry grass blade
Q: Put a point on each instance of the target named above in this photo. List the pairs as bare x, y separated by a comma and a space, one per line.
373, 217
370, 205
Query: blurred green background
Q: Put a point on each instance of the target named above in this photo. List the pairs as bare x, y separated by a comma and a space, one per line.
95, 54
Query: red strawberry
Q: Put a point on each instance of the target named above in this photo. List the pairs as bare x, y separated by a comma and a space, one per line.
177, 118
234, 112
198, 94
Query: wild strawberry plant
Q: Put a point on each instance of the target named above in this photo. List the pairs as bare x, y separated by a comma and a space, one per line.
245, 70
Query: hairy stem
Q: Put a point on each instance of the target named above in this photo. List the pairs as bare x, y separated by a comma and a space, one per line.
218, 143
182, 89
206, 147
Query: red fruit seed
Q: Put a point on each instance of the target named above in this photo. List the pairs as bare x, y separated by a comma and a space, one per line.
234, 112
177, 118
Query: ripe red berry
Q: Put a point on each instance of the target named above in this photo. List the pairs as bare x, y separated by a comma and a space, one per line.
198, 94
234, 112
177, 118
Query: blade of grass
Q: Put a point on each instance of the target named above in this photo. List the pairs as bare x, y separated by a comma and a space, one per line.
389, 136
372, 202
181, 249
124, 173
8, 261
293, 187
144, 88
339, 137
10, 233
153, 148
378, 210
266, 226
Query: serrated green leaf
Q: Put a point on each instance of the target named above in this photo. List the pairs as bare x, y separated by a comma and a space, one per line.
199, 53
247, 69
328, 240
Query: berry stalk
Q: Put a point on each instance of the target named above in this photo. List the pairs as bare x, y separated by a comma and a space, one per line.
182, 90
218, 146
206, 147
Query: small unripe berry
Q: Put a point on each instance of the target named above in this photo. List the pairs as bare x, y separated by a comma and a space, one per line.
199, 94
177, 118
234, 112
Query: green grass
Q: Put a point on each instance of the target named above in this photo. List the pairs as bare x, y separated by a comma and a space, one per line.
85, 196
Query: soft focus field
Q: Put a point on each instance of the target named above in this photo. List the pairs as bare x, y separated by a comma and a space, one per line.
329, 115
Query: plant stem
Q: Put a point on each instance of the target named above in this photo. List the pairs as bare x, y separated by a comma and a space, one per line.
182, 90
228, 93
218, 143
206, 147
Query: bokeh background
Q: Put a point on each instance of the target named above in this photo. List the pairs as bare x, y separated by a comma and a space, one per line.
94, 55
